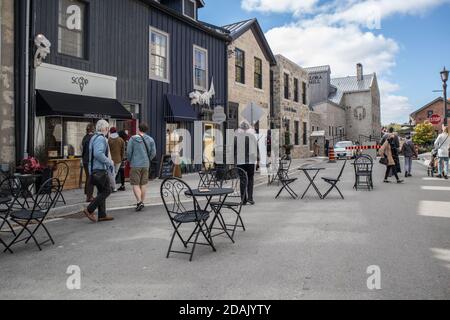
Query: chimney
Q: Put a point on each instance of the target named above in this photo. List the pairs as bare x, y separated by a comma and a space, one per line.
359, 72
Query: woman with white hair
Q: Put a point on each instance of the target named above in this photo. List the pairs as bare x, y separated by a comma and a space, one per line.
246, 154
100, 164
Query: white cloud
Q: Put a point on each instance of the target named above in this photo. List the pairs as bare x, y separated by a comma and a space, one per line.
296, 7
395, 108
340, 47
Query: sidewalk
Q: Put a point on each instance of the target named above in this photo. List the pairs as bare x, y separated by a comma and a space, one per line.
125, 200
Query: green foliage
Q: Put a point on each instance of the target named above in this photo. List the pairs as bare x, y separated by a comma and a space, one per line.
397, 127
424, 134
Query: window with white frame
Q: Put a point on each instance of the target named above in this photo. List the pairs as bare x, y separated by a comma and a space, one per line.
190, 9
200, 68
159, 55
71, 28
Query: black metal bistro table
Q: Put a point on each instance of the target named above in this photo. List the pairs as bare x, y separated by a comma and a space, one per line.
209, 194
26, 183
311, 174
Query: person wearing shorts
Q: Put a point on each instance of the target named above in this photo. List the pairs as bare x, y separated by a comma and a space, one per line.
141, 151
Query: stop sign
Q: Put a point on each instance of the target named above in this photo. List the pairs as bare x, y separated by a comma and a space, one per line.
435, 119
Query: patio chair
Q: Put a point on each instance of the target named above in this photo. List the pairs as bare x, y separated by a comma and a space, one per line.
184, 209
62, 172
237, 180
284, 179
363, 166
334, 182
8, 194
31, 221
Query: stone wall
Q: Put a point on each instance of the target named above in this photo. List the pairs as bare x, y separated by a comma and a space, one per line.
7, 138
332, 116
243, 94
288, 109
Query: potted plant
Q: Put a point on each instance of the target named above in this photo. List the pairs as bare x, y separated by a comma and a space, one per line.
287, 143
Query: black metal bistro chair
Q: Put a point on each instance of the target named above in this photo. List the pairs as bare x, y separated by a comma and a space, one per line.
182, 209
61, 174
284, 179
31, 221
237, 180
363, 166
334, 182
9, 191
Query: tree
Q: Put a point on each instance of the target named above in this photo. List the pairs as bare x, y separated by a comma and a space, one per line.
424, 134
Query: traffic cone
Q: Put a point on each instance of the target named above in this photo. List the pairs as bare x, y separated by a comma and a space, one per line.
331, 155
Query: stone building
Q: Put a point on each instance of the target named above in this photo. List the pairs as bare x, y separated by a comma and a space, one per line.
291, 113
424, 114
249, 62
350, 106
7, 108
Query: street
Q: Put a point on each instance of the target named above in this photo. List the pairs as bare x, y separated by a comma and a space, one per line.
292, 249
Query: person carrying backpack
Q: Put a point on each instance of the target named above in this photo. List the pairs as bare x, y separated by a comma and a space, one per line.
140, 152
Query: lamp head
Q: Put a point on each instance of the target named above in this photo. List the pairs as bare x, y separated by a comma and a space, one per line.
444, 75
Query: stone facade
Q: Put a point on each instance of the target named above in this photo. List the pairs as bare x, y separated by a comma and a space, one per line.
243, 94
350, 106
291, 114
333, 119
7, 139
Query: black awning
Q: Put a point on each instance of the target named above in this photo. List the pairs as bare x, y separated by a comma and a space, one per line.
180, 109
50, 103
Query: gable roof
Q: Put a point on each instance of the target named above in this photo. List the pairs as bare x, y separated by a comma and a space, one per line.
428, 105
350, 85
196, 24
239, 28
318, 69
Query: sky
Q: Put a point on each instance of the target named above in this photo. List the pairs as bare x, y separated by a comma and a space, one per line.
406, 42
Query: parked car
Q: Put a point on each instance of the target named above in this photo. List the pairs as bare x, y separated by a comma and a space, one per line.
341, 151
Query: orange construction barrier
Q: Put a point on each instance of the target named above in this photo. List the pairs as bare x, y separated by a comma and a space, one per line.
332, 155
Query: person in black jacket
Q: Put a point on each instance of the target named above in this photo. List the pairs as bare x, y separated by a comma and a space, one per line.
246, 154
88, 186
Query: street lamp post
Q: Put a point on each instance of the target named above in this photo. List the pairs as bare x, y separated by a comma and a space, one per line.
444, 77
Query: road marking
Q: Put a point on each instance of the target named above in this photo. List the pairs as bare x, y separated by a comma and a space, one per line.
431, 188
437, 209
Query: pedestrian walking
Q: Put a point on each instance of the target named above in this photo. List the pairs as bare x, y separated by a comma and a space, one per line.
316, 148
388, 158
99, 167
441, 146
246, 154
141, 151
88, 186
327, 148
117, 148
121, 174
409, 152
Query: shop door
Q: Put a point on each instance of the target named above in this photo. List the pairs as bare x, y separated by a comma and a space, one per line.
233, 115
208, 145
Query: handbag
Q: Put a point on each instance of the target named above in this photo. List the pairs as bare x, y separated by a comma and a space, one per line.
149, 160
384, 161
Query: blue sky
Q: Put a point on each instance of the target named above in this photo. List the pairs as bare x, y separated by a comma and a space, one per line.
408, 50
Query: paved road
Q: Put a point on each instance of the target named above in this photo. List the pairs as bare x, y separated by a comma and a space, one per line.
293, 249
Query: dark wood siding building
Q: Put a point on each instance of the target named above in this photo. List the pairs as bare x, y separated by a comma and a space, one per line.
116, 41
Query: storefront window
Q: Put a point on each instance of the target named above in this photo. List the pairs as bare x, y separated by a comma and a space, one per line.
63, 136
53, 137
